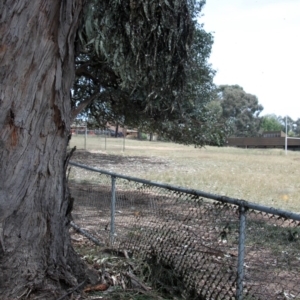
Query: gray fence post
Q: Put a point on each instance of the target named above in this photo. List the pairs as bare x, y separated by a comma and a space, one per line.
85, 137
241, 253
112, 209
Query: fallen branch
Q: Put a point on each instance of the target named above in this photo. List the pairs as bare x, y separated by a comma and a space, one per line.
86, 234
138, 282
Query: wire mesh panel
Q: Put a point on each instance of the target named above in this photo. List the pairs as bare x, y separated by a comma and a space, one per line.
91, 209
195, 237
182, 231
272, 257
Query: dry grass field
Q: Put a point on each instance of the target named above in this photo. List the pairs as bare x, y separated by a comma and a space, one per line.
268, 177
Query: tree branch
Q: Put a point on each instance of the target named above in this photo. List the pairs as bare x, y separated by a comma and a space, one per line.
82, 105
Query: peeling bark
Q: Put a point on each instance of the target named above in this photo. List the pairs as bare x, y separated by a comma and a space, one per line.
36, 73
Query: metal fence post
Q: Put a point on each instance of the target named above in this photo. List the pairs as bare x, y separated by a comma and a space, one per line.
85, 137
241, 253
112, 209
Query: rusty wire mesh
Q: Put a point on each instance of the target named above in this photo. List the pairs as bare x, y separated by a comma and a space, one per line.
195, 237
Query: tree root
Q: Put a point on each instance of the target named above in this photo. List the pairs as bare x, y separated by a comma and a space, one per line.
73, 290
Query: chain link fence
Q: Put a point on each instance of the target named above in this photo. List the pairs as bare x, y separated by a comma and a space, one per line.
218, 247
101, 139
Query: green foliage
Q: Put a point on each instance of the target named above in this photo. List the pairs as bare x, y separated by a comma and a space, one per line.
270, 123
292, 126
240, 109
203, 128
143, 136
144, 64
141, 38
289, 125
215, 108
297, 127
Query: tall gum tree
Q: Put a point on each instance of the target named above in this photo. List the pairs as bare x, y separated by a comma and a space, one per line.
147, 46
36, 74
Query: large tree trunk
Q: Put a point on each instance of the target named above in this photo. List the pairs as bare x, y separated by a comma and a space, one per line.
36, 73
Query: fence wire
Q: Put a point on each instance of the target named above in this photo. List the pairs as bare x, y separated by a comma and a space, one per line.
217, 250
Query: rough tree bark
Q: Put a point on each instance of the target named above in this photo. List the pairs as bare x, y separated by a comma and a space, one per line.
36, 73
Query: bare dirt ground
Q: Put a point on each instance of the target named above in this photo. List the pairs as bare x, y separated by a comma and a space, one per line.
137, 166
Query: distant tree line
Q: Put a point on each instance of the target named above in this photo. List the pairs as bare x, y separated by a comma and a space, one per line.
241, 112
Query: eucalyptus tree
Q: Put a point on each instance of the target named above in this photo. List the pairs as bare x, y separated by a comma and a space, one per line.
153, 76
145, 48
241, 109
271, 123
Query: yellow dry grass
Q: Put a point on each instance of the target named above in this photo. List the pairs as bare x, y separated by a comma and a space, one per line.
268, 177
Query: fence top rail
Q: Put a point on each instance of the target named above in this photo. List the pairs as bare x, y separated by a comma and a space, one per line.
224, 199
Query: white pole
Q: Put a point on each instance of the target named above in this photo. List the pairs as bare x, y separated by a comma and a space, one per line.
285, 135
